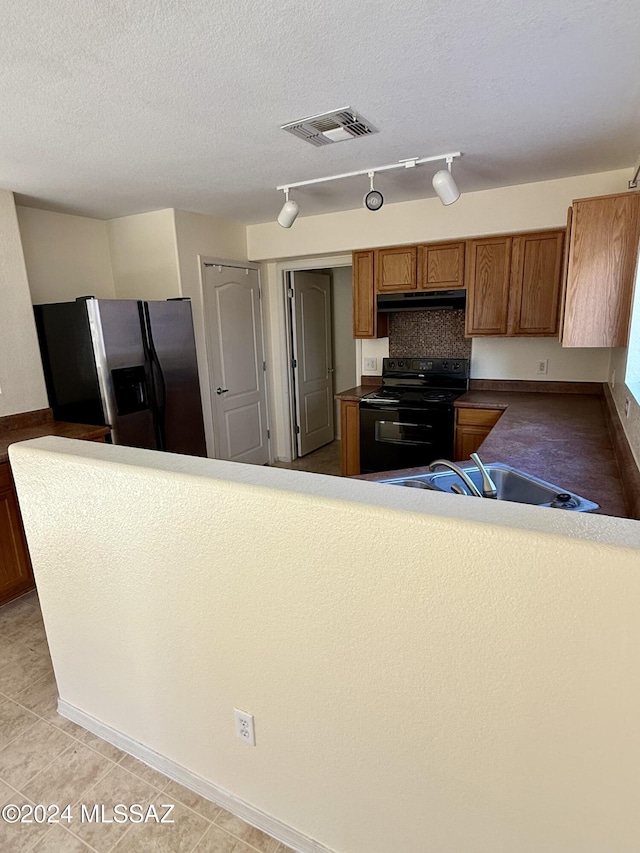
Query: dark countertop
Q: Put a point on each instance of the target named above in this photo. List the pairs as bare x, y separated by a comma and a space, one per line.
562, 438
356, 394
16, 428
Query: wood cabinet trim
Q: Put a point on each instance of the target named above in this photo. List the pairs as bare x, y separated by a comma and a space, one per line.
350, 437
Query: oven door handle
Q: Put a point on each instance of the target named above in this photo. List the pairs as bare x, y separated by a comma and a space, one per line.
401, 441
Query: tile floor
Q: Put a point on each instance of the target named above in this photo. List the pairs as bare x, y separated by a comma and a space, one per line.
47, 759
325, 460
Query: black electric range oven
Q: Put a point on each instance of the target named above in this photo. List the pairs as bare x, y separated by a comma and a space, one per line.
410, 420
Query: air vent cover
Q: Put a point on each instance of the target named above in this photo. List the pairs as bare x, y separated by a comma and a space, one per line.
336, 126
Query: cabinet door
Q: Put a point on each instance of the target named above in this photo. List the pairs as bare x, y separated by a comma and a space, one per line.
468, 440
441, 266
350, 437
16, 575
536, 265
396, 269
602, 262
488, 276
364, 308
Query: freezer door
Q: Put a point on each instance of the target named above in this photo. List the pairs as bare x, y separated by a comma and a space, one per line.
123, 373
172, 352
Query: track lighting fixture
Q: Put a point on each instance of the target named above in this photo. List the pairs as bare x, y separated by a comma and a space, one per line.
373, 199
443, 184
289, 212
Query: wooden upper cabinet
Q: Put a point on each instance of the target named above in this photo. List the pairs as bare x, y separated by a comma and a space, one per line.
536, 273
396, 269
488, 278
364, 309
603, 254
441, 266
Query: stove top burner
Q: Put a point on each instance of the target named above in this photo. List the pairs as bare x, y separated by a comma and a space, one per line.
420, 382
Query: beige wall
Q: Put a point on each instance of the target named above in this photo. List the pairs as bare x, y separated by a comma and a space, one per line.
199, 235
22, 386
345, 368
66, 256
144, 255
477, 692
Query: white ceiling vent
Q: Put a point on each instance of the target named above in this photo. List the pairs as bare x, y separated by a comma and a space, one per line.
336, 126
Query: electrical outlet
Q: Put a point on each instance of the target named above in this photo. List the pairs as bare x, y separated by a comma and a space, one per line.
627, 406
371, 364
543, 367
244, 726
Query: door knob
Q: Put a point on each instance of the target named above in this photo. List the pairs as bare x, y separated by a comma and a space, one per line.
221, 390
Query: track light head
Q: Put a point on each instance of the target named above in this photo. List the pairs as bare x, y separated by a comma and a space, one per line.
373, 199
444, 185
289, 212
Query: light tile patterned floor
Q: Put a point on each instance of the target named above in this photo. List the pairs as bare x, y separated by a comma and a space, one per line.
47, 759
325, 460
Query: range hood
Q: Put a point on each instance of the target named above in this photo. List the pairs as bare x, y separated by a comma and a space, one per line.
422, 301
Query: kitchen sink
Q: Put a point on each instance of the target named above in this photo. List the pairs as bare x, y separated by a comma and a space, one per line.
511, 485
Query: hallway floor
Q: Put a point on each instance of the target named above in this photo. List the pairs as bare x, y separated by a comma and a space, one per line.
325, 460
46, 759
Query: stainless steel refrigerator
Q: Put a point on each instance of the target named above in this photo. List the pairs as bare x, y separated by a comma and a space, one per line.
126, 364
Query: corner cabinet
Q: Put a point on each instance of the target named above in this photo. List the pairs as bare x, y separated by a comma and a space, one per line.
16, 575
472, 427
601, 269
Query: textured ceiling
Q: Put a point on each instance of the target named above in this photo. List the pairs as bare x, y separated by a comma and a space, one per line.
112, 107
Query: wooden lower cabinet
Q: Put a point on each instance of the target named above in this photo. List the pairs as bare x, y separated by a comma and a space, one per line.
472, 427
350, 437
16, 575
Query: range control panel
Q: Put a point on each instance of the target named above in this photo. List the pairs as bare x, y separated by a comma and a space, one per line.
418, 367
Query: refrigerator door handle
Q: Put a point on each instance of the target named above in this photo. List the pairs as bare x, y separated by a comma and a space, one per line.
157, 378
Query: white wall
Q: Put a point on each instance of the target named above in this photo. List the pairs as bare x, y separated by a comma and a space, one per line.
144, 255
22, 386
345, 367
208, 236
66, 256
517, 358
621, 393
477, 692
506, 209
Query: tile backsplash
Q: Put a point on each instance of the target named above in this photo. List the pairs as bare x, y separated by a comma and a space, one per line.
437, 332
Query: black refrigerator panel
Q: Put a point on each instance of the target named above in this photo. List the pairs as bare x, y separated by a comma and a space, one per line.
69, 367
123, 371
174, 368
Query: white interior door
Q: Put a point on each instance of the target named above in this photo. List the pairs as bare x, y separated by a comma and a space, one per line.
310, 295
237, 369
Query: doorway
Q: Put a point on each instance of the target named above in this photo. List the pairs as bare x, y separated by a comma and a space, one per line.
323, 359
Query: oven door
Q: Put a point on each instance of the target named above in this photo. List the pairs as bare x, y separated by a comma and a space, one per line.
396, 437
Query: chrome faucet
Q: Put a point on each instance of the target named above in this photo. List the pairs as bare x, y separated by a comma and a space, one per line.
473, 489
488, 486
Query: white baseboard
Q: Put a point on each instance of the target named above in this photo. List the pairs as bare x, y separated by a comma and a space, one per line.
245, 811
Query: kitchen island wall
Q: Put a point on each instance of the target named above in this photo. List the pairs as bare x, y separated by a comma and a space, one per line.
442, 682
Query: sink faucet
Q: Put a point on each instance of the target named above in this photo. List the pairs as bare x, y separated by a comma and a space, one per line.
473, 490
488, 486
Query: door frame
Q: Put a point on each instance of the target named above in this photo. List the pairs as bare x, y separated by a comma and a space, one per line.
282, 271
204, 262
